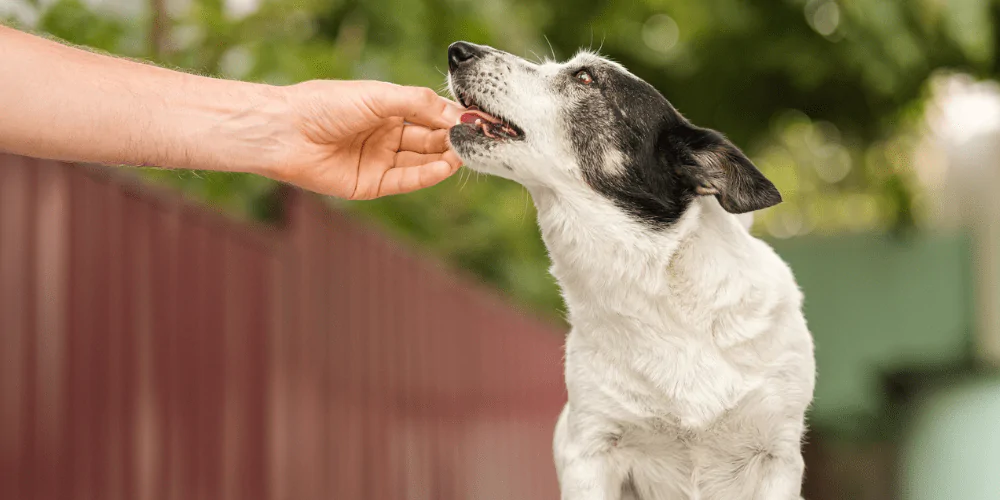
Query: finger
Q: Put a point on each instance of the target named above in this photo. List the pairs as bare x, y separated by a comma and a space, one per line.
418, 105
452, 111
452, 158
421, 139
411, 159
408, 179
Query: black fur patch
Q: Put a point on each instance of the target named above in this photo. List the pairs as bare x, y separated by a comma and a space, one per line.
667, 160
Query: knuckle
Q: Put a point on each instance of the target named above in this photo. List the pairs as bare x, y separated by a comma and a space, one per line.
427, 95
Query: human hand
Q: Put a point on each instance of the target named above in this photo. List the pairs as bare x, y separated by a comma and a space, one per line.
364, 139
344, 138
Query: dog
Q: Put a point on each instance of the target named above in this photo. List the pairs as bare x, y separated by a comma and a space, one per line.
689, 364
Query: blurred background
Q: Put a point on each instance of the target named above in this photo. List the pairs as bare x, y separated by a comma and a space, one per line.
409, 347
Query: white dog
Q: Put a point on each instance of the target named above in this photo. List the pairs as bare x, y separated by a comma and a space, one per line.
689, 365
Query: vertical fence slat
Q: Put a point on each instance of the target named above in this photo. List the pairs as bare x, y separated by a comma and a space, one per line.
78, 346
101, 335
165, 325
17, 190
53, 248
132, 305
236, 352
256, 377
352, 454
212, 360
117, 313
376, 344
277, 387
337, 347
145, 411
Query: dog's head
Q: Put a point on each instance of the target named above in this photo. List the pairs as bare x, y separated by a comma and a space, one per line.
590, 124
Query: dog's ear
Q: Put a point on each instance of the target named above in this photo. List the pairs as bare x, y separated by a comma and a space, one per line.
715, 166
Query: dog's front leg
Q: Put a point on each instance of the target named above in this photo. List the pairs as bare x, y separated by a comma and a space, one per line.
774, 475
782, 480
590, 478
586, 466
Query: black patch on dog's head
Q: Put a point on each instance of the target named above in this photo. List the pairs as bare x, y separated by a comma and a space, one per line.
667, 160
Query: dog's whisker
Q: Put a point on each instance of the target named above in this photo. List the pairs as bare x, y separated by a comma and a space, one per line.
537, 57
524, 205
554, 58
467, 177
527, 202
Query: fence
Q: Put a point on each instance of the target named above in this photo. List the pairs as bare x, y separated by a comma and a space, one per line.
152, 349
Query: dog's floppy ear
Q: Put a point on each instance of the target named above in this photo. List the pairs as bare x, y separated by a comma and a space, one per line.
715, 166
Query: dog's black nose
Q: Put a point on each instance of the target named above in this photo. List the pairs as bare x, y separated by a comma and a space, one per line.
460, 53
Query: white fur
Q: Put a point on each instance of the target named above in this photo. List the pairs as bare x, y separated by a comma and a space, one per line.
689, 365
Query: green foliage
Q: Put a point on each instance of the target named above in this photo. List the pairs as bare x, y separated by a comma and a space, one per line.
823, 94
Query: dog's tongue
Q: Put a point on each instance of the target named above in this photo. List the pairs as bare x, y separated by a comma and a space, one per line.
471, 115
490, 125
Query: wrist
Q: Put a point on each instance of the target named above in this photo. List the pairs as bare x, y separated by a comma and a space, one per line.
232, 126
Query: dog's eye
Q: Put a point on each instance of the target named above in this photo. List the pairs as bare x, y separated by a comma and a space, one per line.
584, 77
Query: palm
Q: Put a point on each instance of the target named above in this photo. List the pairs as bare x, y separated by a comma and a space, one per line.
352, 152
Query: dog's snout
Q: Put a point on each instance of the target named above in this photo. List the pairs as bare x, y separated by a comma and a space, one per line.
460, 53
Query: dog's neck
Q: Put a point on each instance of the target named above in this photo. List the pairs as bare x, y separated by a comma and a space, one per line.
616, 271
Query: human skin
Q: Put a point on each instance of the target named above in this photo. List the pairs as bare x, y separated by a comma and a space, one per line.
350, 139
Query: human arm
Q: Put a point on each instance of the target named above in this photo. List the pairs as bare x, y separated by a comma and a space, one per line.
343, 138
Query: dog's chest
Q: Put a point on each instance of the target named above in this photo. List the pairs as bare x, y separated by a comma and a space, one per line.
652, 382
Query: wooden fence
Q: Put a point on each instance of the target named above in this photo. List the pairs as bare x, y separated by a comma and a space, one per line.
154, 349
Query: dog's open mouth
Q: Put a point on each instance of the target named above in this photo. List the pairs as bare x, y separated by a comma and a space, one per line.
491, 125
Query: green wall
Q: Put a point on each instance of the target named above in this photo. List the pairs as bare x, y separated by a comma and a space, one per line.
953, 452
877, 304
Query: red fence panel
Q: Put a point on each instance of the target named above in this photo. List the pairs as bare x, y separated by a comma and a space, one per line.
153, 349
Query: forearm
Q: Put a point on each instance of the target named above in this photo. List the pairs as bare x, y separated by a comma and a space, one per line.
65, 103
